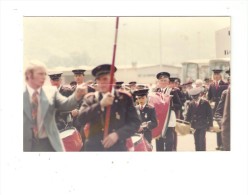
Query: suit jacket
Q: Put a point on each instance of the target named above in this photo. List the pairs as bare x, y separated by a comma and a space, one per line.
226, 123
200, 116
220, 107
215, 94
50, 100
124, 120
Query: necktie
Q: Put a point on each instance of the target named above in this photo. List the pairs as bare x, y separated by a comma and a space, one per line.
141, 107
216, 85
34, 107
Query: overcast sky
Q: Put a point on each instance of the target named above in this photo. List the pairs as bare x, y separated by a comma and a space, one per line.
72, 41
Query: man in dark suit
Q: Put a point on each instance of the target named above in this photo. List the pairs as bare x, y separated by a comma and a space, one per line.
40, 132
219, 112
167, 143
214, 94
123, 121
226, 122
200, 116
147, 114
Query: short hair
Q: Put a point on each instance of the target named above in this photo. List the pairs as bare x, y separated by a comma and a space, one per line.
32, 65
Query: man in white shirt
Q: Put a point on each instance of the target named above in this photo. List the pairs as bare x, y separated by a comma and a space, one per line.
40, 132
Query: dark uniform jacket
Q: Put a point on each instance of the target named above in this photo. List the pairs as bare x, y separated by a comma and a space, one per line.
148, 114
60, 117
75, 122
200, 116
124, 120
215, 94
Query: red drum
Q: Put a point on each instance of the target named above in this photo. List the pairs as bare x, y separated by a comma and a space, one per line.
162, 108
138, 143
72, 140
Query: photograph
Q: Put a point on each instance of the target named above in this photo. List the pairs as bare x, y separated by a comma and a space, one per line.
119, 97
165, 64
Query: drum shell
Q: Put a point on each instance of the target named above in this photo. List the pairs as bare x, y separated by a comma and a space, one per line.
138, 143
73, 141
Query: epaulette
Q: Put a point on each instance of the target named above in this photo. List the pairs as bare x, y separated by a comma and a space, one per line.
150, 106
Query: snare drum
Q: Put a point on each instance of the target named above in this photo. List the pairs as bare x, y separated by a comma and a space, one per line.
138, 143
72, 140
183, 127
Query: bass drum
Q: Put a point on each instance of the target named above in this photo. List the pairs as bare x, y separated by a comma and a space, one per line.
72, 140
162, 108
138, 143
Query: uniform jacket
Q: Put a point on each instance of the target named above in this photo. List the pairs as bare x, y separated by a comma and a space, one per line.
124, 119
50, 100
200, 116
60, 117
148, 114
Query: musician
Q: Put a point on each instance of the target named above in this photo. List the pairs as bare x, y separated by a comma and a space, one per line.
55, 80
62, 119
118, 85
199, 114
123, 121
178, 110
167, 143
214, 95
132, 86
147, 114
185, 88
79, 78
40, 132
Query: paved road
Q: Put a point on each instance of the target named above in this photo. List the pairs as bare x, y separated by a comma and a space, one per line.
186, 142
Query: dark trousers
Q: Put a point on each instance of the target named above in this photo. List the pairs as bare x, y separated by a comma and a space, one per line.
42, 145
200, 139
167, 143
175, 140
219, 139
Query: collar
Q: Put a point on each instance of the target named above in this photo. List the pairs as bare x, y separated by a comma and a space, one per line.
31, 90
143, 106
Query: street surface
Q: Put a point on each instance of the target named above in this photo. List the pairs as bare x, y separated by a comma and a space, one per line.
186, 142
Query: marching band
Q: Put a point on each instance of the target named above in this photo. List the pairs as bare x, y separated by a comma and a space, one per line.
139, 114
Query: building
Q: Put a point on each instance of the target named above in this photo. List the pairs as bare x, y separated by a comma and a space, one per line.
223, 43
143, 74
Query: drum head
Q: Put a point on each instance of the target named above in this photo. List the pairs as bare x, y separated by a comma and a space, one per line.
136, 138
67, 133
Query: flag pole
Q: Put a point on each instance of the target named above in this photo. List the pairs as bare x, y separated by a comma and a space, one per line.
111, 79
